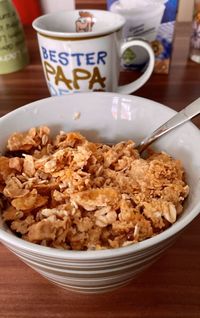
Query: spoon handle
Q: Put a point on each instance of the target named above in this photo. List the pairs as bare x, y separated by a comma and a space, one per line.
181, 117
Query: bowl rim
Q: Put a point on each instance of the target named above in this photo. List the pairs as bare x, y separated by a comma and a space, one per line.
9, 239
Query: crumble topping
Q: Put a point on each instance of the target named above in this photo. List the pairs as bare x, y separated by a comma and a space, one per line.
70, 193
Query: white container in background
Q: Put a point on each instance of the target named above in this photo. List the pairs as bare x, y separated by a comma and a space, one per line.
153, 21
49, 6
143, 17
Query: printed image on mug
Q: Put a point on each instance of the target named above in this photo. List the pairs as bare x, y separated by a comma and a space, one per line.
81, 51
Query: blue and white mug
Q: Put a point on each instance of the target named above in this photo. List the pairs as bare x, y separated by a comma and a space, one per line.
81, 51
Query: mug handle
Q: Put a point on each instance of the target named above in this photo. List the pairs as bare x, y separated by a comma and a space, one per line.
132, 87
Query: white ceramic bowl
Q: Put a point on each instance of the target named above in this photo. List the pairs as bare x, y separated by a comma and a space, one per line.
108, 117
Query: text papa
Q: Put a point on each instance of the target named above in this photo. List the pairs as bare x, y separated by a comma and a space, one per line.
56, 64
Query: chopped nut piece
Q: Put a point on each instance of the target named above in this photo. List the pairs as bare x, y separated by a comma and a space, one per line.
77, 115
29, 167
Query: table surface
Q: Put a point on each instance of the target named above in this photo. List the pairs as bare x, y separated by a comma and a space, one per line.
171, 287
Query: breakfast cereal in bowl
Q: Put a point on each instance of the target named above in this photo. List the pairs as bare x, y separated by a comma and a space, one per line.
70, 193
77, 201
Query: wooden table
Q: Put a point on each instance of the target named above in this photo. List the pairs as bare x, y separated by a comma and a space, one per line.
171, 287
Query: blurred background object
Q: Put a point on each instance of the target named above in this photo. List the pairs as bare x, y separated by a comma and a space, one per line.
37, 7
49, 6
195, 36
13, 49
152, 20
28, 11
185, 10
34, 8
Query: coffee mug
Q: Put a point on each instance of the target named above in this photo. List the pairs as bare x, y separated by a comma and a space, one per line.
81, 51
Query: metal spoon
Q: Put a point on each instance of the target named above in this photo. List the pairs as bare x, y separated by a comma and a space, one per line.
180, 118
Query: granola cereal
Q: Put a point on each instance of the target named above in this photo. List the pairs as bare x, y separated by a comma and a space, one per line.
73, 194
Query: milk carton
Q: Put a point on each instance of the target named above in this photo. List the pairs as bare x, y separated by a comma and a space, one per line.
152, 20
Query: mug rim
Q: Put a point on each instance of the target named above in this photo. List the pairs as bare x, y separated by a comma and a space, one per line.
118, 18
